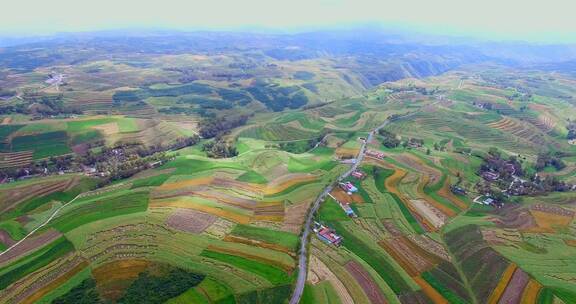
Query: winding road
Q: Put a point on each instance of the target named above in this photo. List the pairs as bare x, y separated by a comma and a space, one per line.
303, 258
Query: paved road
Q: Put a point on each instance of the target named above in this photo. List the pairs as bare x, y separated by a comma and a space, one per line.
303, 259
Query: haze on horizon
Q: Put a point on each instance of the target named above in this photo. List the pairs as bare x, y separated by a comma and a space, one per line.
538, 21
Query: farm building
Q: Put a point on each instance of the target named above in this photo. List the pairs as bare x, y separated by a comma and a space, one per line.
490, 176
348, 210
327, 235
458, 190
375, 154
345, 206
359, 174
348, 187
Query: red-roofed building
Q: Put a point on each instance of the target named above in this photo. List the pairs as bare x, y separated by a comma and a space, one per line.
359, 174
375, 154
327, 235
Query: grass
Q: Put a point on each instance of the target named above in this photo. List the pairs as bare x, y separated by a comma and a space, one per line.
44, 144
186, 166
127, 125
380, 176
282, 238
252, 177
291, 189
331, 211
443, 290
57, 249
307, 165
115, 204
214, 289
82, 125
192, 295
14, 229
277, 294
270, 273
88, 136
152, 181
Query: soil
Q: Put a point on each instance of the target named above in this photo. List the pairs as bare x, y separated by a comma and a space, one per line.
321, 272
371, 289
190, 220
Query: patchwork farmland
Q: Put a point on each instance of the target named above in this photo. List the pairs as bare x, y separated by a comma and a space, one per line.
220, 218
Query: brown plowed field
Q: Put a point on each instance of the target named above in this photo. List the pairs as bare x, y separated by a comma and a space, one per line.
513, 292
345, 153
269, 212
371, 289
411, 257
295, 216
343, 197
190, 220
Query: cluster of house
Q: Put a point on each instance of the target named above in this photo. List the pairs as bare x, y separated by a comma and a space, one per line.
327, 235
375, 154
492, 175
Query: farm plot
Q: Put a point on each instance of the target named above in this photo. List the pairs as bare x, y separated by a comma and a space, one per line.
36, 285
270, 273
190, 221
17, 193
318, 272
43, 144
15, 159
549, 218
34, 262
94, 209
363, 278
468, 247
386, 182
277, 132
412, 258
520, 130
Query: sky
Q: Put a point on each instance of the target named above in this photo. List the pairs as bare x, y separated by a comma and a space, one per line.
535, 20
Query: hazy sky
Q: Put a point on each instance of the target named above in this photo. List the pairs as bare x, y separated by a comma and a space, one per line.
521, 19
